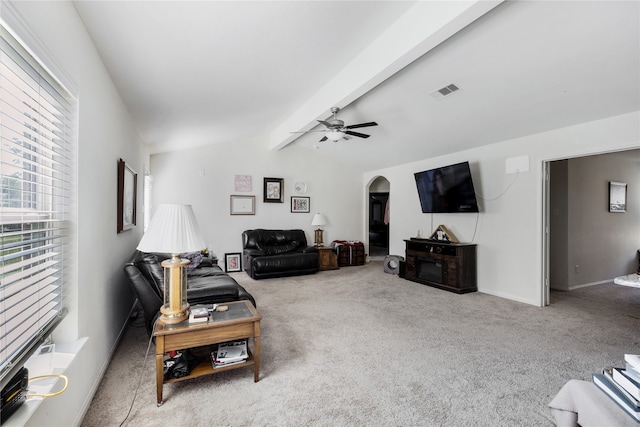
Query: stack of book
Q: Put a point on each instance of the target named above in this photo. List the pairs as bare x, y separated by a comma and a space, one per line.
623, 385
198, 314
230, 353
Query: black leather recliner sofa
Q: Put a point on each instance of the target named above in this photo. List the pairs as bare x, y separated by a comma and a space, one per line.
206, 284
277, 253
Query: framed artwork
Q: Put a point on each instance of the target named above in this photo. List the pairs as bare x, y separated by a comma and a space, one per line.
274, 190
232, 262
127, 197
300, 204
617, 196
242, 183
243, 205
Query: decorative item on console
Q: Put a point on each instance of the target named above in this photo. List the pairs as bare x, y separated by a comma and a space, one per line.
443, 234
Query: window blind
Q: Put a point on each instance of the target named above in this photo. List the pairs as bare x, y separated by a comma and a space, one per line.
37, 146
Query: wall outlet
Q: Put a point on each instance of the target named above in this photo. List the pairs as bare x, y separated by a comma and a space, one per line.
577, 269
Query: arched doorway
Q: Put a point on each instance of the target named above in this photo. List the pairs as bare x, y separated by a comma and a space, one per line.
379, 218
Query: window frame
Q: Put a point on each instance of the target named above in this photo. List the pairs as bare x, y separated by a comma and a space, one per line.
42, 152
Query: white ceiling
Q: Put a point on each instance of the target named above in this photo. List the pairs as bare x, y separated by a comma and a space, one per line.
208, 72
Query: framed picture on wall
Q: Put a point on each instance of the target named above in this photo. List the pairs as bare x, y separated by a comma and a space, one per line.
232, 262
617, 196
242, 183
243, 205
300, 204
274, 190
127, 197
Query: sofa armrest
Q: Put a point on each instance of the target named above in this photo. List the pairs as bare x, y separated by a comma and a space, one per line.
253, 252
206, 262
310, 249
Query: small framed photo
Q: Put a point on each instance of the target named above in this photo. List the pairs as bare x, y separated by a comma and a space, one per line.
243, 205
617, 196
232, 262
300, 204
274, 190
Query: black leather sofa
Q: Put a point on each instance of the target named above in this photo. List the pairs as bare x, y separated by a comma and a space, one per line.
206, 284
277, 253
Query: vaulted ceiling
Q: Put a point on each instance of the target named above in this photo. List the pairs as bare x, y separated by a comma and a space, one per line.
207, 72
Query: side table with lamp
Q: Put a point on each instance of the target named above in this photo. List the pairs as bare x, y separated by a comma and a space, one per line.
174, 229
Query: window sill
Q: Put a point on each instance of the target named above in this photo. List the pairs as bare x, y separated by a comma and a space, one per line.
55, 363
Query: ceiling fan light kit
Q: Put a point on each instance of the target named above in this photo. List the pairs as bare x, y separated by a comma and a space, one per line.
336, 129
335, 135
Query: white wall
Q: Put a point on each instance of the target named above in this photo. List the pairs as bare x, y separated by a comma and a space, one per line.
509, 226
99, 299
204, 178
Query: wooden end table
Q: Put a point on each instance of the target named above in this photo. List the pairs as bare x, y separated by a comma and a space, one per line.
328, 259
240, 321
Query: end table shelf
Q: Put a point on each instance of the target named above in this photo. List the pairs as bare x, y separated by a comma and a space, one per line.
241, 321
205, 368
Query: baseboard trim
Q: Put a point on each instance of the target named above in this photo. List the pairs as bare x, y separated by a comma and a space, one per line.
103, 371
586, 285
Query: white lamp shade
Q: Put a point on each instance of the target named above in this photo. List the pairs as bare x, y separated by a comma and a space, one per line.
173, 229
335, 135
319, 220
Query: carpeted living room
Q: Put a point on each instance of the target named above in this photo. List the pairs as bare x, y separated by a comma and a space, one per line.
358, 346
409, 213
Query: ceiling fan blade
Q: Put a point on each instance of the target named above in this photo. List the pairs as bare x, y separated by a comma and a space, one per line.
324, 138
310, 130
361, 135
327, 124
361, 125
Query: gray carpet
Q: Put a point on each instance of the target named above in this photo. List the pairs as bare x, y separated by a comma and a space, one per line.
356, 347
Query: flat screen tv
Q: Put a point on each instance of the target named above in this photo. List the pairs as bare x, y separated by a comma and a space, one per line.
447, 189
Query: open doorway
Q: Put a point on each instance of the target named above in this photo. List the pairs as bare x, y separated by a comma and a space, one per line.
585, 242
379, 218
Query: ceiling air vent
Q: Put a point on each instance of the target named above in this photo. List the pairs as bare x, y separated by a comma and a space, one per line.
445, 91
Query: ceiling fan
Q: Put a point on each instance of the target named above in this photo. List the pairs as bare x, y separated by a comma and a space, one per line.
336, 129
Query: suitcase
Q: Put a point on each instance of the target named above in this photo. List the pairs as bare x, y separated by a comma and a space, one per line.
349, 252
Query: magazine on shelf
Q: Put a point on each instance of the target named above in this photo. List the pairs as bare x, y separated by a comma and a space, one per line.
232, 351
217, 364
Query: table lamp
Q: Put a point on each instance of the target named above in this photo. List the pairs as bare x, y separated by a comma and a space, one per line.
318, 221
174, 230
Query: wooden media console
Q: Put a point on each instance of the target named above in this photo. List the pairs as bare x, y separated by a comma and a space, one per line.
444, 265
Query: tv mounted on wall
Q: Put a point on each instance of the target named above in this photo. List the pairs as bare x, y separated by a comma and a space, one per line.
447, 189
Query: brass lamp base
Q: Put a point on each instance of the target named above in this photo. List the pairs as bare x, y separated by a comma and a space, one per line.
175, 308
171, 317
318, 237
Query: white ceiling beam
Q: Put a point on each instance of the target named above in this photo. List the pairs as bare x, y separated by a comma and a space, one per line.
423, 27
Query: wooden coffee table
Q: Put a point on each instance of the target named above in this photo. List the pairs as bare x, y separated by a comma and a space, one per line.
240, 321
